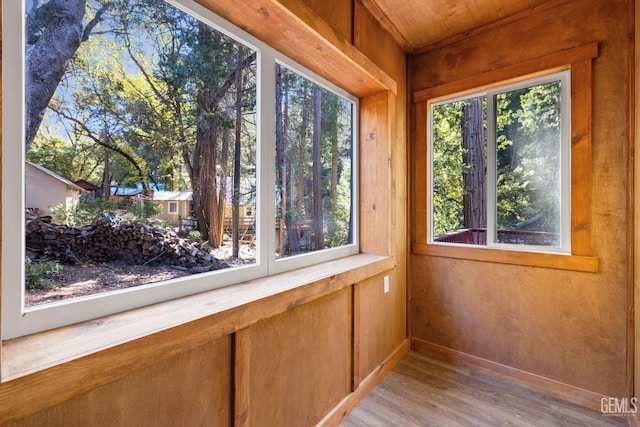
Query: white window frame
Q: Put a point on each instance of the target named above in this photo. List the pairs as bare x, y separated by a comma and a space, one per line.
296, 261
491, 190
18, 320
173, 205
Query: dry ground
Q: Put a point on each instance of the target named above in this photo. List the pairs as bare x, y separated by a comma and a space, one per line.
93, 277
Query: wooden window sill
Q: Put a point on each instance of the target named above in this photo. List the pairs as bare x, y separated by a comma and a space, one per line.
184, 323
532, 259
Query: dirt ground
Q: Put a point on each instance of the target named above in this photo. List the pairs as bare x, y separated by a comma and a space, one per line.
92, 278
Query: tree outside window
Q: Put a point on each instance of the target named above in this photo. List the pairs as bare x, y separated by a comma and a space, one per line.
499, 166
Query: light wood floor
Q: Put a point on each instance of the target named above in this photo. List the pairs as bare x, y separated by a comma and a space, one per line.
422, 391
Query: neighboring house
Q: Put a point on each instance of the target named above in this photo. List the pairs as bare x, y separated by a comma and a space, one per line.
176, 205
45, 189
90, 188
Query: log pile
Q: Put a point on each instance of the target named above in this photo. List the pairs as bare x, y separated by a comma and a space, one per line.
105, 240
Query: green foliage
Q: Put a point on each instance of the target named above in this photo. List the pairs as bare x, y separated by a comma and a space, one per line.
88, 210
528, 157
339, 225
196, 235
36, 273
527, 154
448, 168
145, 210
71, 159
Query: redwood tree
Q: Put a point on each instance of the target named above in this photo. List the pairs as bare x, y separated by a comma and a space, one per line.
473, 158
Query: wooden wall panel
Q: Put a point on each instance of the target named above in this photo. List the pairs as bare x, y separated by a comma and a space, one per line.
380, 47
636, 240
566, 326
339, 15
372, 40
382, 323
192, 389
300, 364
375, 209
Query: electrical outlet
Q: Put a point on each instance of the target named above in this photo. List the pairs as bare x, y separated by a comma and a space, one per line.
386, 284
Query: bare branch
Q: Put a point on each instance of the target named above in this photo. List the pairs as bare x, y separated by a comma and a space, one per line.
96, 19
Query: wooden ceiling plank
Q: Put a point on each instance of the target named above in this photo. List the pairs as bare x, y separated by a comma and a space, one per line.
490, 26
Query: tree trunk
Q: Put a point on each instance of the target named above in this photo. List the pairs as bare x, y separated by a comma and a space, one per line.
224, 174
317, 170
473, 158
300, 168
280, 163
49, 52
106, 177
236, 160
205, 195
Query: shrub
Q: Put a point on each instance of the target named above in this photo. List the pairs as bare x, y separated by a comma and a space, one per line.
88, 210
145, 210
35, 273
195, 235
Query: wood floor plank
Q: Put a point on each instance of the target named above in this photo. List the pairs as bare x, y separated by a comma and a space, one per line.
423, 391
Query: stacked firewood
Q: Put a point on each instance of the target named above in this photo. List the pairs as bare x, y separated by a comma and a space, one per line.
107, 240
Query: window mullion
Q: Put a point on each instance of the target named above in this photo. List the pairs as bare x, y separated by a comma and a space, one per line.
266, 217
565, 162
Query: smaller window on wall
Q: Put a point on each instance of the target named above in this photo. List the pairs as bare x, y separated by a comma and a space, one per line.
500, 166
173, 207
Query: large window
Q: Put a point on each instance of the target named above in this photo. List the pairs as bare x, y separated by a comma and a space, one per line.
159, 103
314, 145
500, 166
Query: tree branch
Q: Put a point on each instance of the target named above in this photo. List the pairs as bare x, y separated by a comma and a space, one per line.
96, 19
89, 133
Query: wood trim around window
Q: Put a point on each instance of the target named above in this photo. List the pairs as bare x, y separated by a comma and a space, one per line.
579, 61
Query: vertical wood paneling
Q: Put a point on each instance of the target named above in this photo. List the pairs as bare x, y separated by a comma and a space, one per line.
241, 378
636, 208
419, 146
581, 164
190, 389
300, 363
375, 236
356, 376
382, 319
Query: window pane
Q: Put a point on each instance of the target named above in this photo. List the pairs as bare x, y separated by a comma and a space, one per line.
153, 115
459, 172
314, 155
528, 143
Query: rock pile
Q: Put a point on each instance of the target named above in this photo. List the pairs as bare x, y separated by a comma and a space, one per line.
106, 240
